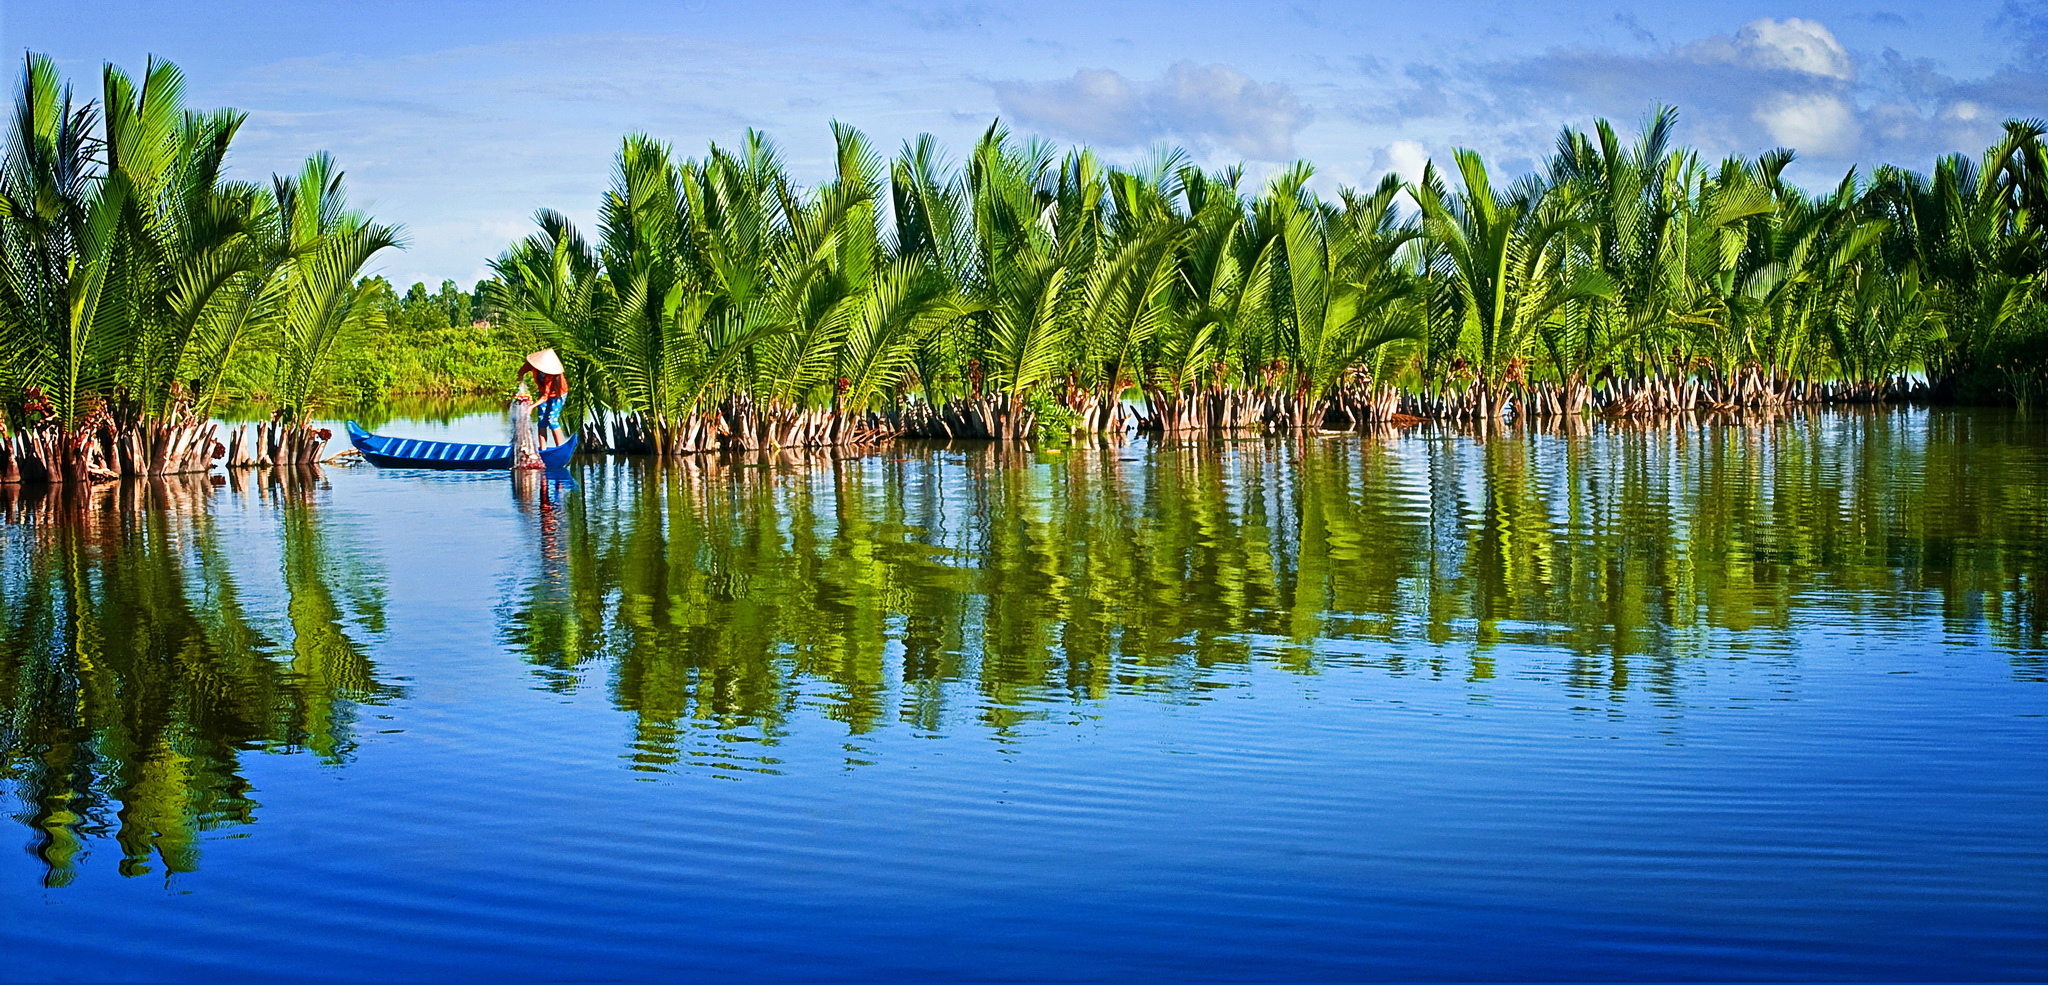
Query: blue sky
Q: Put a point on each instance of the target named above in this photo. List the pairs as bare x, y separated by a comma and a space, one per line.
459, 119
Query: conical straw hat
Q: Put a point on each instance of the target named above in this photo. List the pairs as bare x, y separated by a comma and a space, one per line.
546, 361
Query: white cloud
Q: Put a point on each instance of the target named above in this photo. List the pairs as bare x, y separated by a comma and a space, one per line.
1096, 104
1220, 103
1786, 82
1793, 44
1817, 123
462, 145
1205, 105
1403, 157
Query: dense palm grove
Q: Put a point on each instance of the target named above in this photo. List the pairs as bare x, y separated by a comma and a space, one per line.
1028, 291
1022, 292
133, 274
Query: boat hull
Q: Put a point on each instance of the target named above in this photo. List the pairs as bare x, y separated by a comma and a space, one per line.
385, 451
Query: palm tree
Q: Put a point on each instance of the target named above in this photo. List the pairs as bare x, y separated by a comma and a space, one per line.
1373, 299
1033, 292
1978, 234
1498, 264
132, 272
1021, 289
327, 245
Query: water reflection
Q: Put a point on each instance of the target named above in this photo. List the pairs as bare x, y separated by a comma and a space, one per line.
913, 584
543, 604
136, 670
152, 633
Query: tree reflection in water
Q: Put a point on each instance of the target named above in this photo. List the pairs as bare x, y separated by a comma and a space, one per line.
147, 642
720, 593
134, 673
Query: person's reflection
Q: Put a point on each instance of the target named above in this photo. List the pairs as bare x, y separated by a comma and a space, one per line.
540, 493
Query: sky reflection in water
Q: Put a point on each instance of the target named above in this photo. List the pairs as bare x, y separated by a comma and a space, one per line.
1631, 701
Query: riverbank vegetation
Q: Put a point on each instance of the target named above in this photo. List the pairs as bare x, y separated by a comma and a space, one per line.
1028, 291
134, 274
1022, 292
447, 343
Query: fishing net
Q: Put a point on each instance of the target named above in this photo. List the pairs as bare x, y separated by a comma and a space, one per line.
525, 436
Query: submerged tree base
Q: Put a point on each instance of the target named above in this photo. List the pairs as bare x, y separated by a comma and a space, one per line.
105, 450
276, 444
740, 425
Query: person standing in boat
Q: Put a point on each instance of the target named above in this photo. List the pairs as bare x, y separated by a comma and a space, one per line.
550, 387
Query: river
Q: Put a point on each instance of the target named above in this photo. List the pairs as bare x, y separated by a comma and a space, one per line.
1623, 701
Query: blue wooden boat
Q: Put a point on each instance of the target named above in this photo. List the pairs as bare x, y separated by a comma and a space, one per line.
388, 452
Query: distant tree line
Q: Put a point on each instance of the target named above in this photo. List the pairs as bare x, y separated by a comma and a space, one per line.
418, 311
447, 342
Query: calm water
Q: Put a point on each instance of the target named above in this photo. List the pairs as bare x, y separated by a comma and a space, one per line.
1698, 702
